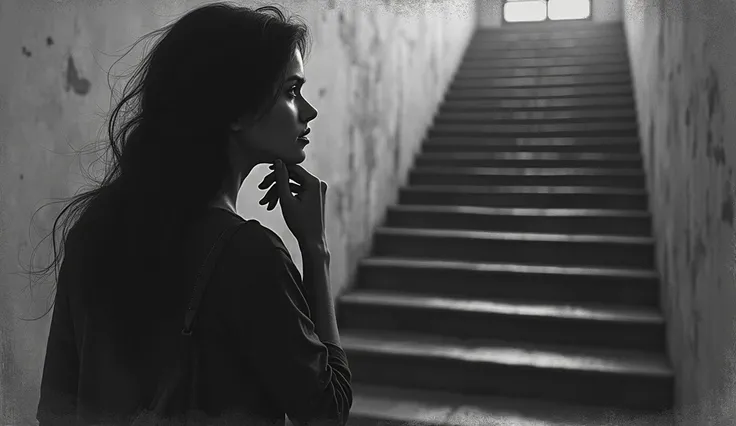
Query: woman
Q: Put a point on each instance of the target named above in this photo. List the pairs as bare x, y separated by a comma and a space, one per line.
218, 94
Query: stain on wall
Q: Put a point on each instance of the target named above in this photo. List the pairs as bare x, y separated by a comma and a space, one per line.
376, 74
683, 66
74, 81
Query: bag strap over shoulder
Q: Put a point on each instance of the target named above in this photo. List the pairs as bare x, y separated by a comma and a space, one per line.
203, 276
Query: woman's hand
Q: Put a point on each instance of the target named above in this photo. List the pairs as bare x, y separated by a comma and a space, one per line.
303, 213
272, 197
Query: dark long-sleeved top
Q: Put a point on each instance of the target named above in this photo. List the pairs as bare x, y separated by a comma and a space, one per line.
261, 357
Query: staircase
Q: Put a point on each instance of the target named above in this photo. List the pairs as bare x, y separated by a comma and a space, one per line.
514, 283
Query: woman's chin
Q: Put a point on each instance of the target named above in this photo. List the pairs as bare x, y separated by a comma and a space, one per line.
296, 158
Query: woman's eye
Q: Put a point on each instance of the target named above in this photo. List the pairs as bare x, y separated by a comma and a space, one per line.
292, 91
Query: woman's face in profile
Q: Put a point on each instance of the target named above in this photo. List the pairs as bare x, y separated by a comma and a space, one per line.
276, 135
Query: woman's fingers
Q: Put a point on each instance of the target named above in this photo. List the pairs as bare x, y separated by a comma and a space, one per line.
271, 178
300, 175
271, 197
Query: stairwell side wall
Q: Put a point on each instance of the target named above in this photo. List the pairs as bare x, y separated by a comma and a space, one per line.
376, 73
683, 64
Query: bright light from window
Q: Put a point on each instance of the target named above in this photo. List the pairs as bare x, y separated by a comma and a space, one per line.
539, 10
569, 9
525, 11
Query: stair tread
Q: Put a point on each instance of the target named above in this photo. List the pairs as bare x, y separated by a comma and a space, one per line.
508, 267
479, 126
520, 236
477, 140
522, 189
498, 352
590, 312
454, 409
527, 171
550, 156
563, 71
601, 102
505, 211
539, 115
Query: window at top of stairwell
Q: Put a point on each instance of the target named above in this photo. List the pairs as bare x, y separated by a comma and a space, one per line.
543, 10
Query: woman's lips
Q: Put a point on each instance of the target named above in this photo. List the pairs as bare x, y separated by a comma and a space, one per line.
303, 139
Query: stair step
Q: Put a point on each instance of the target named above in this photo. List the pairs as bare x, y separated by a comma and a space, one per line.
485, 43
521, 104
544, 52
600, 326
620, 145
570, 70
536, 117
554, 26
528, 159
622, 128
580, 34
486, 176
541, 81
612, 378
515, 247
559, 61
509, 281
542, 92
560, 221
390, 406
547, 197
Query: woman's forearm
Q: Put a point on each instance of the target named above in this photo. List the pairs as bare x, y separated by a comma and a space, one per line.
316, 266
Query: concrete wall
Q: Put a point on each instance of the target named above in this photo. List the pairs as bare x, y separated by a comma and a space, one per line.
490, 12
376, 74
683, 64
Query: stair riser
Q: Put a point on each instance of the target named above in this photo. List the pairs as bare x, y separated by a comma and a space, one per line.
423, 161
510, 223
526, 180
511, 53
570, 70
477, 84
489, 119
515, 117
542, 92
509, 37
635, 392
557, 253
613, 148
509, 328
478, 43
485, 285
519, 132
542, 201
548, 104
613, 60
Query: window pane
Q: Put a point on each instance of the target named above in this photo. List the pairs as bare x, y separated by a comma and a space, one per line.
525, 11
569, 9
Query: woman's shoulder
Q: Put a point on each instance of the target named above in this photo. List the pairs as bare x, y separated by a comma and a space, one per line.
252, 236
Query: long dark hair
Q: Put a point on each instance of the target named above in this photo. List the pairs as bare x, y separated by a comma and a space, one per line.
167, 138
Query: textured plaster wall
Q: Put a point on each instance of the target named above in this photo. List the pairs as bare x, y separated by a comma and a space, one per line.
684, 69
490, 12
376, 74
